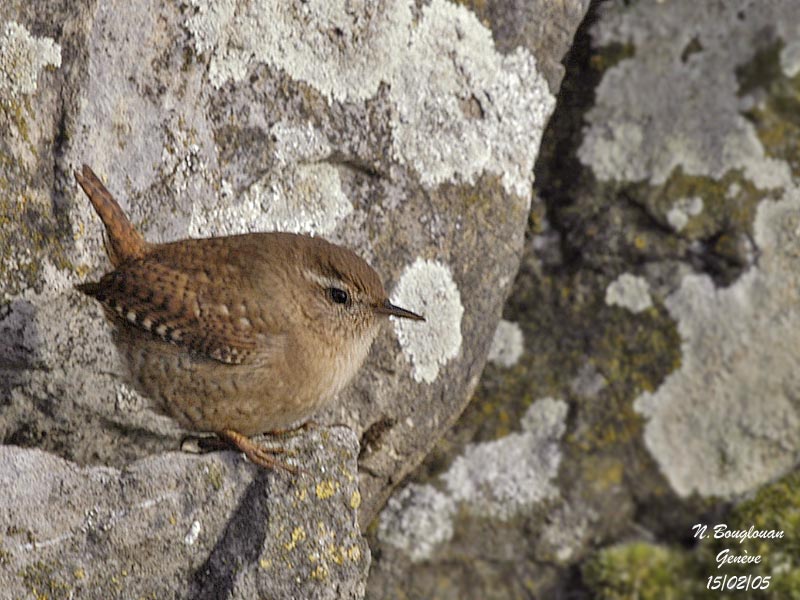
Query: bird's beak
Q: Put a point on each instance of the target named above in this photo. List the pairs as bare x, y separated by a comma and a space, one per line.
387, 308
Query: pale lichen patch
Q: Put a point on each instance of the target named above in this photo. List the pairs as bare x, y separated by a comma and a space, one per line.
629, 291
451, 60
656, 112
461, 107
343, 51
416, 520
22, 56
497, 479
729, 419
193, 533
303, 194
209, 22
683, 210
502, 477
307, 199
427, 287
507, 344
790, 59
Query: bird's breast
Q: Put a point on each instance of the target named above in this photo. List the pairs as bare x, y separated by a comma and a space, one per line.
340, 362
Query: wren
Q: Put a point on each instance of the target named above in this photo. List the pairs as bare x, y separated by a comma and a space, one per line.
236, 335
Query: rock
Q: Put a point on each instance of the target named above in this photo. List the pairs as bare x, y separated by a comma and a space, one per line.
657, 299
762, 526
403, 133
182, 526
497, 479
734, 340
406, 133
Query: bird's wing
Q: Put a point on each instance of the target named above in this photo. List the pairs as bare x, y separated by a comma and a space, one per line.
185, 307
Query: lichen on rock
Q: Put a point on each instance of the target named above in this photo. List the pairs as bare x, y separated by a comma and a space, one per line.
22, 56
343, 53
497, 479
182, 526
302, 195
507, 344
665, 109
416, 520
738, 358
427, 287
460, 107
502, 477
494, 106
629, 291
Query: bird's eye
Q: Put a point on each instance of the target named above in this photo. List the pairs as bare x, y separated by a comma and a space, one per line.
338, 296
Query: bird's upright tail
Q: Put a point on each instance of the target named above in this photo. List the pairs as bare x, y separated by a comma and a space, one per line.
123, 242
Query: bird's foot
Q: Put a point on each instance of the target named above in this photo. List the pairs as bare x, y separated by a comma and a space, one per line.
256, 453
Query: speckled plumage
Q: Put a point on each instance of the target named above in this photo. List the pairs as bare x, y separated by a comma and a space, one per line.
238, 333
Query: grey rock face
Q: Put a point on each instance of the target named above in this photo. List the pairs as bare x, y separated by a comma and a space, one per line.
402, 133
734, 341
180, 526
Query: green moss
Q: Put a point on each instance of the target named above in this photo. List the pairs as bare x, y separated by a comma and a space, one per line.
644, 572
634, 353
728, 203
775, 507
786, 586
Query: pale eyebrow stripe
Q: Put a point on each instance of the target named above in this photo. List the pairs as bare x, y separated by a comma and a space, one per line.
322, 280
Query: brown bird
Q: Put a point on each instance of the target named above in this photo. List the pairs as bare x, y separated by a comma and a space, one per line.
236, 335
